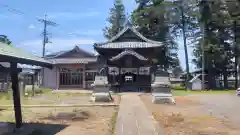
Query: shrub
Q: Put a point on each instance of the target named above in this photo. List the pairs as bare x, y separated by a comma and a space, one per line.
36, 90
178, 87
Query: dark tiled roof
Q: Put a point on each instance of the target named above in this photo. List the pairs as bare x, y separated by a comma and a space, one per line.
55, 54
147, 42
128, 52
23, 66
21, 56
73, 60
79, 50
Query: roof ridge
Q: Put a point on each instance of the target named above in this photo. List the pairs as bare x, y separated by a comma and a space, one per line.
137, 33
80, 49
57, 54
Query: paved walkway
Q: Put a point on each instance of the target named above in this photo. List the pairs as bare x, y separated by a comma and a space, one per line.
134, 118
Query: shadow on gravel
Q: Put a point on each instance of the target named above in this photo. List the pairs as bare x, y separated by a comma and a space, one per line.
31, 129
76, 115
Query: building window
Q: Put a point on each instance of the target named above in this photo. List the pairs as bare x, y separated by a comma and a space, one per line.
90, 76
70, 76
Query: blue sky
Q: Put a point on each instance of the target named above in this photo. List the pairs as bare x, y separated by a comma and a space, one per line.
79, 22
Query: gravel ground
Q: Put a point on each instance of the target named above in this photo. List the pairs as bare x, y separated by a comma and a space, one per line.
200, 114
224, 106
63, 121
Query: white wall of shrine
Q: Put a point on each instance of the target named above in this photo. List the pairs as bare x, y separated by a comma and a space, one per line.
50, 78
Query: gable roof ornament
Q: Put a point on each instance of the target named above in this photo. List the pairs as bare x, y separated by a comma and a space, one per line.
128, 52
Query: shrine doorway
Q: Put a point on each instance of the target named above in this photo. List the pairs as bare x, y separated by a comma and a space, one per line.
129, 82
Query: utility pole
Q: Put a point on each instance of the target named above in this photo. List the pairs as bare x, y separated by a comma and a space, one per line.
203, 59
235, 53
45, 38
45, 33
203, 2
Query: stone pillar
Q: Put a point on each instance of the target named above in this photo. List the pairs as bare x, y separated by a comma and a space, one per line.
83, 76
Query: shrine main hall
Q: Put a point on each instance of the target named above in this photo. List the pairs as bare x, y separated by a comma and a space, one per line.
127, 60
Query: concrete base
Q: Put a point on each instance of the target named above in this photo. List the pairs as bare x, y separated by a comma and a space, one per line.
101, 97
4, 128
161, 98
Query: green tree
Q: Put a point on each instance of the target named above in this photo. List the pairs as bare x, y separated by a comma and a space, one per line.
234, 12
4, 39
182, 18
215, 41
116, 20
150, 19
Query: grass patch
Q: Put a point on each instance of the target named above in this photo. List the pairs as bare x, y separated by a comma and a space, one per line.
26, 99
188, 92
113, 122
46, 114
6, 98
65, 95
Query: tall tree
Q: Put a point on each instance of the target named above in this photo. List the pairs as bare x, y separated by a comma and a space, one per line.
182, 18
4, 39
150, 19
116, 19
215, 41
234, 12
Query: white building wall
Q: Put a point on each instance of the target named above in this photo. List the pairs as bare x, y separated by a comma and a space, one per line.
50, 78
196, 84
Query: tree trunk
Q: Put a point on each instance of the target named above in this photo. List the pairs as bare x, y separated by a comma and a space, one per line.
235, 54
225, 77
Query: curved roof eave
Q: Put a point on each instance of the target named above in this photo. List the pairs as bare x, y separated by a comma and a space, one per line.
97, 45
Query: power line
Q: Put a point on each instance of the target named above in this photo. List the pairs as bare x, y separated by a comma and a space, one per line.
45, 33
18, 12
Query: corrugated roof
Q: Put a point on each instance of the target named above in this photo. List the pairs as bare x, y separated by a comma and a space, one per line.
8, 52
23, 66
73, 60
128, 52
128, 45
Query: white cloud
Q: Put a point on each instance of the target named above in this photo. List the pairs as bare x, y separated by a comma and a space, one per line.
2, 16
10, 16
72, 15
31, 26
58, 44
86, 33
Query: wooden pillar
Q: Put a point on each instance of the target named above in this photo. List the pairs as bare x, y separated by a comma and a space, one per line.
16, 95
33, 81
83, 75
